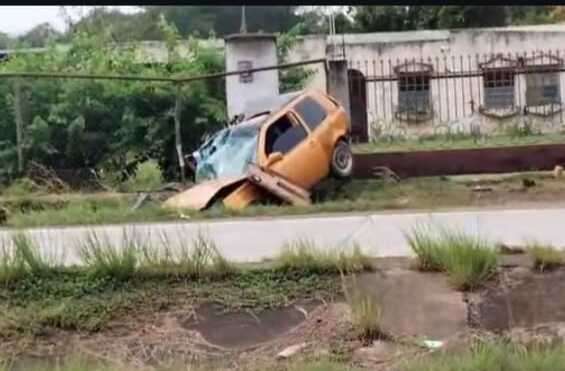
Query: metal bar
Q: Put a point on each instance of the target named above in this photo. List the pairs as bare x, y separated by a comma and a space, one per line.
178, 138
19, 123
383, 90
155, 79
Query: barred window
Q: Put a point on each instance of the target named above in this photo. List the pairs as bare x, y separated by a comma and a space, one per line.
413, 93
498, 87
542, 88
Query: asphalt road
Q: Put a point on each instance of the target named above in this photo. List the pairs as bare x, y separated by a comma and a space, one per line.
252, 240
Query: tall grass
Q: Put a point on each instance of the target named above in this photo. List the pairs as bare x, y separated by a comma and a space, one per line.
545, 256
305, 255
366, 314
493, 357
196, 259
22, 257
468, 260
104, 258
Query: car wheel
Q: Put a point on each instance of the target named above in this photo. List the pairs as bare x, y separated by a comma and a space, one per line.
342, 160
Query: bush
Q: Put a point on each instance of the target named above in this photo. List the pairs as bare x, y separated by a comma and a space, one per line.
148, 177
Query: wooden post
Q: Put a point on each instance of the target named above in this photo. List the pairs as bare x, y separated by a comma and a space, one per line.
19, 123
178, 138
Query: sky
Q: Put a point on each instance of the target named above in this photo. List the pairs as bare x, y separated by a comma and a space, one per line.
16, 20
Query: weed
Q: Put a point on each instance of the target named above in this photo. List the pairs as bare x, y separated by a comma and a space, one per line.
104, 258
365, 310
148, 177
304, 255
426, 247
467, 260
545, 257
12, 266
492, 356
196, 260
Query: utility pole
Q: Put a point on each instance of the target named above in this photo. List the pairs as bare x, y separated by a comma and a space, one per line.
243, 28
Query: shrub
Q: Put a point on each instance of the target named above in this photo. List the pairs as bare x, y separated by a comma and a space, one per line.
147, 177
545, 256
468, 260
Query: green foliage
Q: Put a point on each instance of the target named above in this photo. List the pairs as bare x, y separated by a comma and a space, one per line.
106, 123
147, 177
467, 260
492, 356
366, 312
295, 78
105, 259
304, 255
545, 257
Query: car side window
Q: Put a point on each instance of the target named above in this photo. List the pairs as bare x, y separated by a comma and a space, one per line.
283, 135
312, 112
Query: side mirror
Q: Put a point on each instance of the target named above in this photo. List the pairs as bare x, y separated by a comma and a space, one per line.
273, 158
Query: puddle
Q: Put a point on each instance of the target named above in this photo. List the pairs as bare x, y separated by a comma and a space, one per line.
536, 298
244, 329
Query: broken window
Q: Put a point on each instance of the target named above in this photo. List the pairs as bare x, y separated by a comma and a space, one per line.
498, 84
283, 135
413, 92
246, 77
312, 112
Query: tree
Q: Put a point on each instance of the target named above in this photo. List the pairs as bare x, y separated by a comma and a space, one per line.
6, 42
224, 20
39, 36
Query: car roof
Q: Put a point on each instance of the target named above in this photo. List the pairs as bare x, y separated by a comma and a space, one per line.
269, 104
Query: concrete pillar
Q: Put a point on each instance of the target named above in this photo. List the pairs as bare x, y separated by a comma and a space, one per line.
245, 51
338, 83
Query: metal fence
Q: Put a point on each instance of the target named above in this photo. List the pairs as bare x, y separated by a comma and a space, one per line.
442, 89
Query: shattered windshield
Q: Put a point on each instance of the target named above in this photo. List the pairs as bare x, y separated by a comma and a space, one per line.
229, 151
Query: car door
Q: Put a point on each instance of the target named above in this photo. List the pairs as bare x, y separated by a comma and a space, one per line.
288, 137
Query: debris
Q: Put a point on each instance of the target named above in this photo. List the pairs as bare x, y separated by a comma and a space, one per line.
432, 344
286, 159
528, 183
46, 178
480, 188
278, 185
558, 172
141, 200
509, 250
291, 350
385, 173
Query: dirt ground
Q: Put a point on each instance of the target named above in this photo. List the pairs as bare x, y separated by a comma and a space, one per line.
415, 307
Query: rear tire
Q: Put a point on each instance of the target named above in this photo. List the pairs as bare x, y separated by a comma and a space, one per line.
342, 160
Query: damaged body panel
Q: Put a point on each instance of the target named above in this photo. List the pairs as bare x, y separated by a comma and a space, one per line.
301, 138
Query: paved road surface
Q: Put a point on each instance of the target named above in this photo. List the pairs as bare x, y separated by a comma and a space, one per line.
380, 234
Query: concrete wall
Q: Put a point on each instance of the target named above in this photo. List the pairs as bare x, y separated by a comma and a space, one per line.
261, 51
454, 51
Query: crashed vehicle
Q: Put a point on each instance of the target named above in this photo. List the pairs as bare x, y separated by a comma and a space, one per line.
299, 138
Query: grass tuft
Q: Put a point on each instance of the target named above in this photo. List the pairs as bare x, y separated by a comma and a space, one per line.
305, 255
12, 266
366, 312
105, 259
197, 259
468, 260
492, 356
546, 257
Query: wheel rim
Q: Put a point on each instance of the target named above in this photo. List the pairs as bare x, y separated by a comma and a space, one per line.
342, 158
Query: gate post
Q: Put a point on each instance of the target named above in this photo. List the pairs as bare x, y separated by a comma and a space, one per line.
338, 83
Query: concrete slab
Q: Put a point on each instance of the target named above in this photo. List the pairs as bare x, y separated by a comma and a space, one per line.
417, 304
